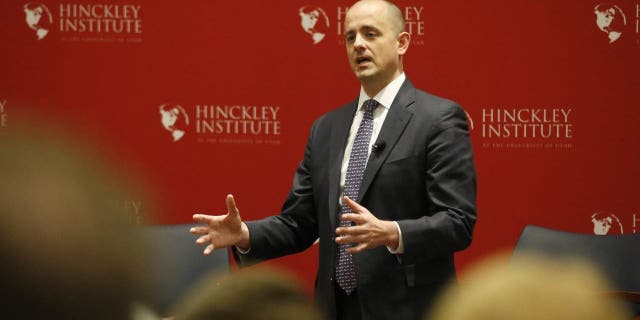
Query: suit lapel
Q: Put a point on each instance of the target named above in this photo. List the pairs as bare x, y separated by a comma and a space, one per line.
338, 141
393, 126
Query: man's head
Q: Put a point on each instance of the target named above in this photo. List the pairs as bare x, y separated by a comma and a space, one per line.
250, 294
376, 40
529, 287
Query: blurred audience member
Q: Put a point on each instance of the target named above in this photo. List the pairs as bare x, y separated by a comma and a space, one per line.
248, 294
529, 288
69, 251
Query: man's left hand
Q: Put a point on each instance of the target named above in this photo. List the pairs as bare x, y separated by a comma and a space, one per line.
368, 231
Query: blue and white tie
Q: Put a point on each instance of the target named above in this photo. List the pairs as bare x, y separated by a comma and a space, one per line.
345, 271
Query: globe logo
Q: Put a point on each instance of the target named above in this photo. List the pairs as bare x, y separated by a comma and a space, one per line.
174, 119
315, 22
611, 20
470, 121
604, 222
38, 18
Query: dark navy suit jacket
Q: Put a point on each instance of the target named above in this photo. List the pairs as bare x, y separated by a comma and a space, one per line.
424, 178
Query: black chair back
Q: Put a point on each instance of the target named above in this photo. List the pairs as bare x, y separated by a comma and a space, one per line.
617, 256
177, 263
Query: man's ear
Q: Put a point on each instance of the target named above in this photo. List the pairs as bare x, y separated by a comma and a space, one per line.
404, 39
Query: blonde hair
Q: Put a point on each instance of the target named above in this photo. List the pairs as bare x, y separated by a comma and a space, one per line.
248, 294
529, 287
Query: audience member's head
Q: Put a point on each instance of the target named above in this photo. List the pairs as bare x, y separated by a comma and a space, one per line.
529, 288
68, 251
249, 294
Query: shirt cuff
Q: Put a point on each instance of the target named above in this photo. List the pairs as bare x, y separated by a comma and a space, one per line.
400, 248
240, 251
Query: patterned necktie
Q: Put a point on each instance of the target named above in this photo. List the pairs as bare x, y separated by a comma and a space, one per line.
345, 271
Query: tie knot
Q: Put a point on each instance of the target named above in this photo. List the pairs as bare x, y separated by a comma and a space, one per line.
370, 105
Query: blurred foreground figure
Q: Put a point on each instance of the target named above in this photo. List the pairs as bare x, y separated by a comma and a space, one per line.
530, 288
68, 251
248, 295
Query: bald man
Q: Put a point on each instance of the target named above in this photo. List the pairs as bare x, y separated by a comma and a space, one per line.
387, 184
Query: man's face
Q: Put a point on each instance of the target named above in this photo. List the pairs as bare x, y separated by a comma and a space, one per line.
372, 45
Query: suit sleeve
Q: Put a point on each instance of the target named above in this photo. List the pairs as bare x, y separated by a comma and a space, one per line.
451, 191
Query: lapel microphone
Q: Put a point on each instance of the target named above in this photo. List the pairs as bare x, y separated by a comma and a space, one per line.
378, 146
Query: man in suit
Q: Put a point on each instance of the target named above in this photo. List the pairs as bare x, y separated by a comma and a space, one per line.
387, 184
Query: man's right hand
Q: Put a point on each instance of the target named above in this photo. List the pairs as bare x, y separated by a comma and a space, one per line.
222, 231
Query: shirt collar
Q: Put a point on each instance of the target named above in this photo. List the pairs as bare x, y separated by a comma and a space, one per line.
386, 95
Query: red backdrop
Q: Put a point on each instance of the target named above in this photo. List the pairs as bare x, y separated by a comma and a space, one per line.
552, 100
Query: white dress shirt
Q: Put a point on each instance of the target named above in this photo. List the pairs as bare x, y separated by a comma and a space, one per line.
385, 98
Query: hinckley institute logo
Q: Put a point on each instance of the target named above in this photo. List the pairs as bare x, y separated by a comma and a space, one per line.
222, 123
315, 22
524, 128
87, 22
611, 20
318, 22
608, 223
38, 18
617, 22
174, 119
